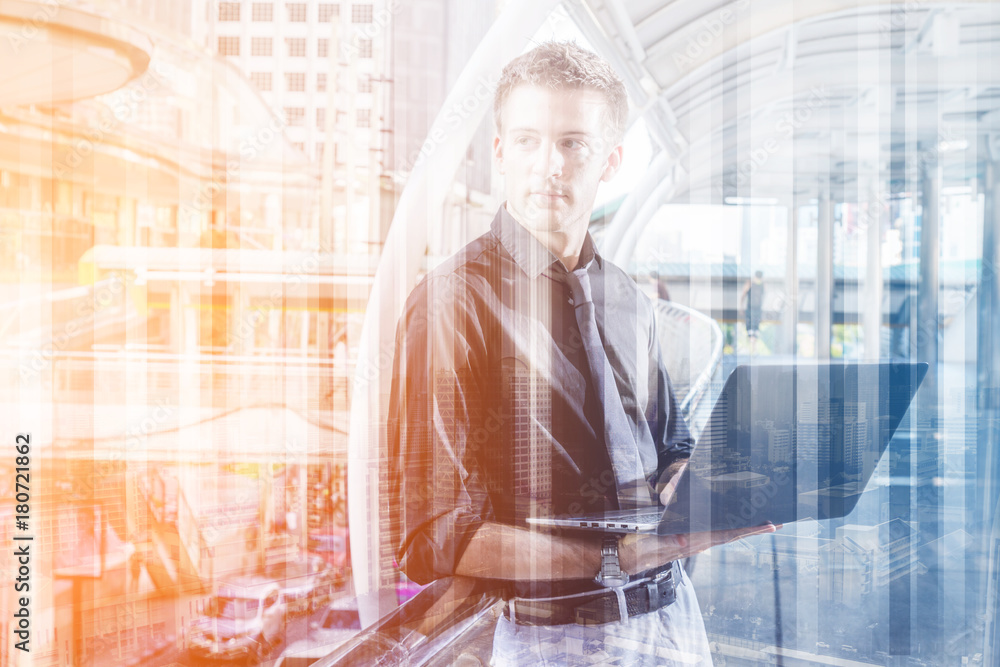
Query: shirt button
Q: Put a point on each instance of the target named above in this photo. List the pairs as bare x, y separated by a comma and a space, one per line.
571, 302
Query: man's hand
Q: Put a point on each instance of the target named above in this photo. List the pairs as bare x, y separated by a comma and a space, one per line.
640, 552
672, 475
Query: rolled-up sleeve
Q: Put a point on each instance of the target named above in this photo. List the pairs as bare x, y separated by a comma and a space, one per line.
436, 402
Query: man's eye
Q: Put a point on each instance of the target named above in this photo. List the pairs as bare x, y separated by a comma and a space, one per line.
523, 141
573, 144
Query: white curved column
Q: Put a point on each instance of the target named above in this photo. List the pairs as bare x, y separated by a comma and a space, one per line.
630, 229
619, 224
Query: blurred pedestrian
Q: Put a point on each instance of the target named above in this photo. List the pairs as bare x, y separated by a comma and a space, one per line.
752, 300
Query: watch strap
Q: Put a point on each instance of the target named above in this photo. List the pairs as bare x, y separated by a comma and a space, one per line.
611, 573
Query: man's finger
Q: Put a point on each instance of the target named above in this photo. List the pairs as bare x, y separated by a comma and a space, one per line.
740, 533
692, 543
756, 530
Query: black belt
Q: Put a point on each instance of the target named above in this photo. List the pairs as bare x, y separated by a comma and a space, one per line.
603, 606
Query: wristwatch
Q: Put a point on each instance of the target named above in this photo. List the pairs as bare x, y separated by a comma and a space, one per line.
611, 574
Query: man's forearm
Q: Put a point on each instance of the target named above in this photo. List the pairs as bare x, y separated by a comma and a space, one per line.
499, 551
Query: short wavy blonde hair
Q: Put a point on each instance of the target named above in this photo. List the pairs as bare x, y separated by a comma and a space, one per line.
562, 65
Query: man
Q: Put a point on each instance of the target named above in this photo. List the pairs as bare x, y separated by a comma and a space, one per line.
528, 382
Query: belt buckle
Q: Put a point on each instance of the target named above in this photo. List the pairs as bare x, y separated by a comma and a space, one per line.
665, 575
665, 596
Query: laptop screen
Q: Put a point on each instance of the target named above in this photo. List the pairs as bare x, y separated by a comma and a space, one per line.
792, 441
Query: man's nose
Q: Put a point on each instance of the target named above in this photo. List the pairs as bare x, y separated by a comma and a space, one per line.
552, 160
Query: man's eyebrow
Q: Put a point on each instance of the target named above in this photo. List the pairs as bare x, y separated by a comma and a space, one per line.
568, 133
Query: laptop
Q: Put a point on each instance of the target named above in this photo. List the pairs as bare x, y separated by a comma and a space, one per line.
784, 442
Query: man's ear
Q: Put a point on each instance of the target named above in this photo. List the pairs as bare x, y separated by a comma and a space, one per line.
498, 153
613, 164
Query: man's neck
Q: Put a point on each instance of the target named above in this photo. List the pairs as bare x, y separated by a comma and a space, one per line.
566, 245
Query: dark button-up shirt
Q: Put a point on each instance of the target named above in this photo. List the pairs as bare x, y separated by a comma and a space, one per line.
493, 414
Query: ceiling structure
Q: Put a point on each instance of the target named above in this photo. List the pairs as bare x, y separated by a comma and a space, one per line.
787, 100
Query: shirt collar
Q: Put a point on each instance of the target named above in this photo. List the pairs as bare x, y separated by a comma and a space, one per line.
530, 255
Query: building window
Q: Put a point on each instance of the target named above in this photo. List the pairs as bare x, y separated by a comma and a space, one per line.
295, 115
263, 11
298, 145
319, 150
361, 14
296, 47
364, 117
327, 10
295, 82
320, 118
229, 11
321, 82
364, 84
365, 46
296, 12
260, 46
322, 47
261, 81
229, 46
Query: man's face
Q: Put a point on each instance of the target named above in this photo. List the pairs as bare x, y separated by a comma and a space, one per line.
554, 148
